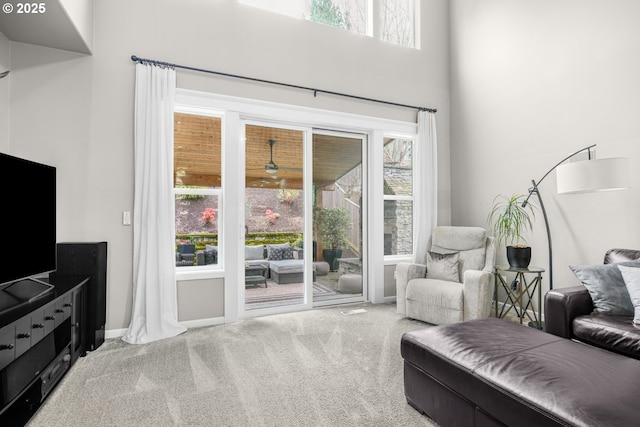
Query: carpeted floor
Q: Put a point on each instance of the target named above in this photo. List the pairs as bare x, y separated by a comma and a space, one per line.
324, 367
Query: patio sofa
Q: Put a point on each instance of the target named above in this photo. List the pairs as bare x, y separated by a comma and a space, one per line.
186, 255
208, 255
284, 263
256, 256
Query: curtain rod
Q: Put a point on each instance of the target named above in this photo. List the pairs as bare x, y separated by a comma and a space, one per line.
315, 91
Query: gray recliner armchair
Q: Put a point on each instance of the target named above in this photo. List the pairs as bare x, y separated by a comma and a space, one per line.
455, 284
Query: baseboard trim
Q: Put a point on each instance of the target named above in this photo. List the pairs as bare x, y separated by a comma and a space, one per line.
189, 324
200, 323
115, 333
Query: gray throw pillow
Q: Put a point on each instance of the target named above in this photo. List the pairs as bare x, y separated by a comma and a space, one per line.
287, 253
271, 247
443, 266
279, 254
606, 287
631, 276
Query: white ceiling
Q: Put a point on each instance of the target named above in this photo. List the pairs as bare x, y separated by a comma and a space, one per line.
60, 26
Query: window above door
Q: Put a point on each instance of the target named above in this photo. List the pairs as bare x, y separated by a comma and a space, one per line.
394, 21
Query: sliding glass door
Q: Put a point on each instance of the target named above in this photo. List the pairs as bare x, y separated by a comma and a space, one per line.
303, 217
274, 256
338, 220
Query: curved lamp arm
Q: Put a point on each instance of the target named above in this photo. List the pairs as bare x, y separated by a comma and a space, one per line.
535, 190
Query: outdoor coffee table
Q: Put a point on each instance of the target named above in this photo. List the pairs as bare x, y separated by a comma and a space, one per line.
254, 276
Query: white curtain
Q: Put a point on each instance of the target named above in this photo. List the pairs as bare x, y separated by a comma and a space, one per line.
154, 312
426, 186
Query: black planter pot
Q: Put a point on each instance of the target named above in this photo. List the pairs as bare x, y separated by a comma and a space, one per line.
518, 257
331, 257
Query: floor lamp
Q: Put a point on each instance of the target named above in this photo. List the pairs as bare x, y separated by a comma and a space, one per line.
582, 177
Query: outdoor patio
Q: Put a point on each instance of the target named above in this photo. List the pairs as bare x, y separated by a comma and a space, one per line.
325, 287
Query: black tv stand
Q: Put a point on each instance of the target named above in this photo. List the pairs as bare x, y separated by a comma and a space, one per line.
40, 338
22, 292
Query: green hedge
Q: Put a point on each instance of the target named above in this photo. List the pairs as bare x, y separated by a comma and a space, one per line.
201, 240
252, 239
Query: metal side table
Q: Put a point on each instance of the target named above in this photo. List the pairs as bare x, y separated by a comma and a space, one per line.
520, 293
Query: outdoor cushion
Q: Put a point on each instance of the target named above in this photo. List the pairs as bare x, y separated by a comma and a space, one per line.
287, 266
271, 247
253, 252
278, 254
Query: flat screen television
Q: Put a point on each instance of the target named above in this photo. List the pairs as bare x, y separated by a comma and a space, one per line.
28, 246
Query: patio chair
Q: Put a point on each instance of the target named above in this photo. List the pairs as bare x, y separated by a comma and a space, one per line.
185, 255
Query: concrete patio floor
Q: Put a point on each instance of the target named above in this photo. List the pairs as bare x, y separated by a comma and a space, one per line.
325, 286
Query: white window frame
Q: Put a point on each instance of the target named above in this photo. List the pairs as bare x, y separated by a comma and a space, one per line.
219, 219
376, 23
372, 24
197, 272
234, 111
393, 259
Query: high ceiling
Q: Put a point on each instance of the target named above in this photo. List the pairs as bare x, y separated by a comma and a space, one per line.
60, 24
197, 160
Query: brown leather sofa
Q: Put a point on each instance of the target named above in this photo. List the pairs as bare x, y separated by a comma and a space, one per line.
569, 313
493, 372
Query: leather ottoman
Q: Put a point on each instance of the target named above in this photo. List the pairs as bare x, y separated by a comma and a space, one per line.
492, 372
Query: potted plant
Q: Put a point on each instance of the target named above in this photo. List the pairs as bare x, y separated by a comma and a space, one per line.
331, 225
510, 222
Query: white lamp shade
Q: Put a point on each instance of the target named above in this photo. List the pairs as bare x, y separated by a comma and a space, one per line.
593, 175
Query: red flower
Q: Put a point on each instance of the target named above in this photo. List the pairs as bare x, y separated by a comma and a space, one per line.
271, 217
208, 216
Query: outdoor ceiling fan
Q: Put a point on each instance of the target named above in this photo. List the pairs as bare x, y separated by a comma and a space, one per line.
271, 168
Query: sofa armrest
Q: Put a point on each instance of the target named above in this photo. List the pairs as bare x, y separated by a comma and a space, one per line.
477, 289
406, 271
562, 305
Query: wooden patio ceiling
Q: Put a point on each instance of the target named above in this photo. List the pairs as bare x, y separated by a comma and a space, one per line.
197, 154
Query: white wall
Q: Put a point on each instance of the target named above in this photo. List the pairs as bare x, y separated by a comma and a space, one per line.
5, 64
76, 112
532, 82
